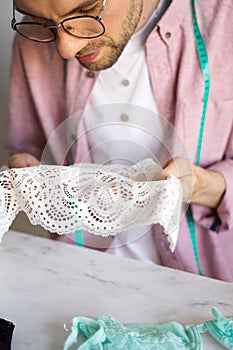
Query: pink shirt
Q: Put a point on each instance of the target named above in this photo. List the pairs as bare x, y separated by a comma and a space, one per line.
38, 107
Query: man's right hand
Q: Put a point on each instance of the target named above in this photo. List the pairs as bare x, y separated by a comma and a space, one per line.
21, 160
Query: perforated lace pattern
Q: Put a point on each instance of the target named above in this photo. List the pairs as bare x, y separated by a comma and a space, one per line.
101, 199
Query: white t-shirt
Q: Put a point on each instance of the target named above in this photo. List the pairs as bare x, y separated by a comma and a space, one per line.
123, 126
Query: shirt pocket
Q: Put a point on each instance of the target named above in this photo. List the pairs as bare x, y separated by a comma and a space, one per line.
217, 142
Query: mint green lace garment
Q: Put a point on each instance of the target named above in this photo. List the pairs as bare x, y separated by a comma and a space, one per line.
106, 333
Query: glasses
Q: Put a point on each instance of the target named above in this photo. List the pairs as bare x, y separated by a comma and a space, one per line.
83, 27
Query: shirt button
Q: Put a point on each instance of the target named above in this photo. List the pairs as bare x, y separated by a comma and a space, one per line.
125, 82
124, 118
90, 74
168, 35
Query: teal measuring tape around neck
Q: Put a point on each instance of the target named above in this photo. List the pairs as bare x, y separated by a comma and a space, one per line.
204, 63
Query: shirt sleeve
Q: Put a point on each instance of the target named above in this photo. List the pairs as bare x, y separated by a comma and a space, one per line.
24, 131
221, 218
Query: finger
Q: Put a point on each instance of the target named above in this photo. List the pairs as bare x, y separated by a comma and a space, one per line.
159, 176
178, 167
22, 160
31, 160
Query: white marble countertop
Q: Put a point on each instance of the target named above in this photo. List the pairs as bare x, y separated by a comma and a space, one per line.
44, 284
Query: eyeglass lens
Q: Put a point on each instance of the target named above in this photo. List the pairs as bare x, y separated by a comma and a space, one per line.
83, 27
35, 32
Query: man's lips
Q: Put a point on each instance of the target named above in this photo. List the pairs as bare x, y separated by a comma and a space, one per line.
88, 58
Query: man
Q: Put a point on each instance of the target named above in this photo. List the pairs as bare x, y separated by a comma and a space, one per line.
112, 35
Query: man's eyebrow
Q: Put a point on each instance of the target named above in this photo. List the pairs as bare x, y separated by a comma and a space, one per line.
82, 5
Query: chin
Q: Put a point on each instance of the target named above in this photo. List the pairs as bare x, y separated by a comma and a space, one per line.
104, 61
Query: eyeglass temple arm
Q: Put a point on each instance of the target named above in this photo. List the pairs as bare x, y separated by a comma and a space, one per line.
102, 10
13, 21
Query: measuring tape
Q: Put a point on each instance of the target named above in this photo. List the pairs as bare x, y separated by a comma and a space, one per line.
204, 63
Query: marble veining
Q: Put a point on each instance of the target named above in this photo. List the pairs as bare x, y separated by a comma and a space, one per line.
44, 284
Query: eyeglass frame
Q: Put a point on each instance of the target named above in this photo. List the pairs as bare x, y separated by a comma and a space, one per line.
52, 28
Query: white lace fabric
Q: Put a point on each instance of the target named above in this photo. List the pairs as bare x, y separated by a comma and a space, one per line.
101, 199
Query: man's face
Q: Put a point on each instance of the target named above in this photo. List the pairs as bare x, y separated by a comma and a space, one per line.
120, 19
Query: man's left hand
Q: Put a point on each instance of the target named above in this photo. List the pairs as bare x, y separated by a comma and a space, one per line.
200, 186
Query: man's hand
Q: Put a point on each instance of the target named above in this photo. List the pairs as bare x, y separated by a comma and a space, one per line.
21, 160
200, 186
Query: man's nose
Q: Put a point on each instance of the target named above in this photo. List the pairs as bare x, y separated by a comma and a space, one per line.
68, 45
